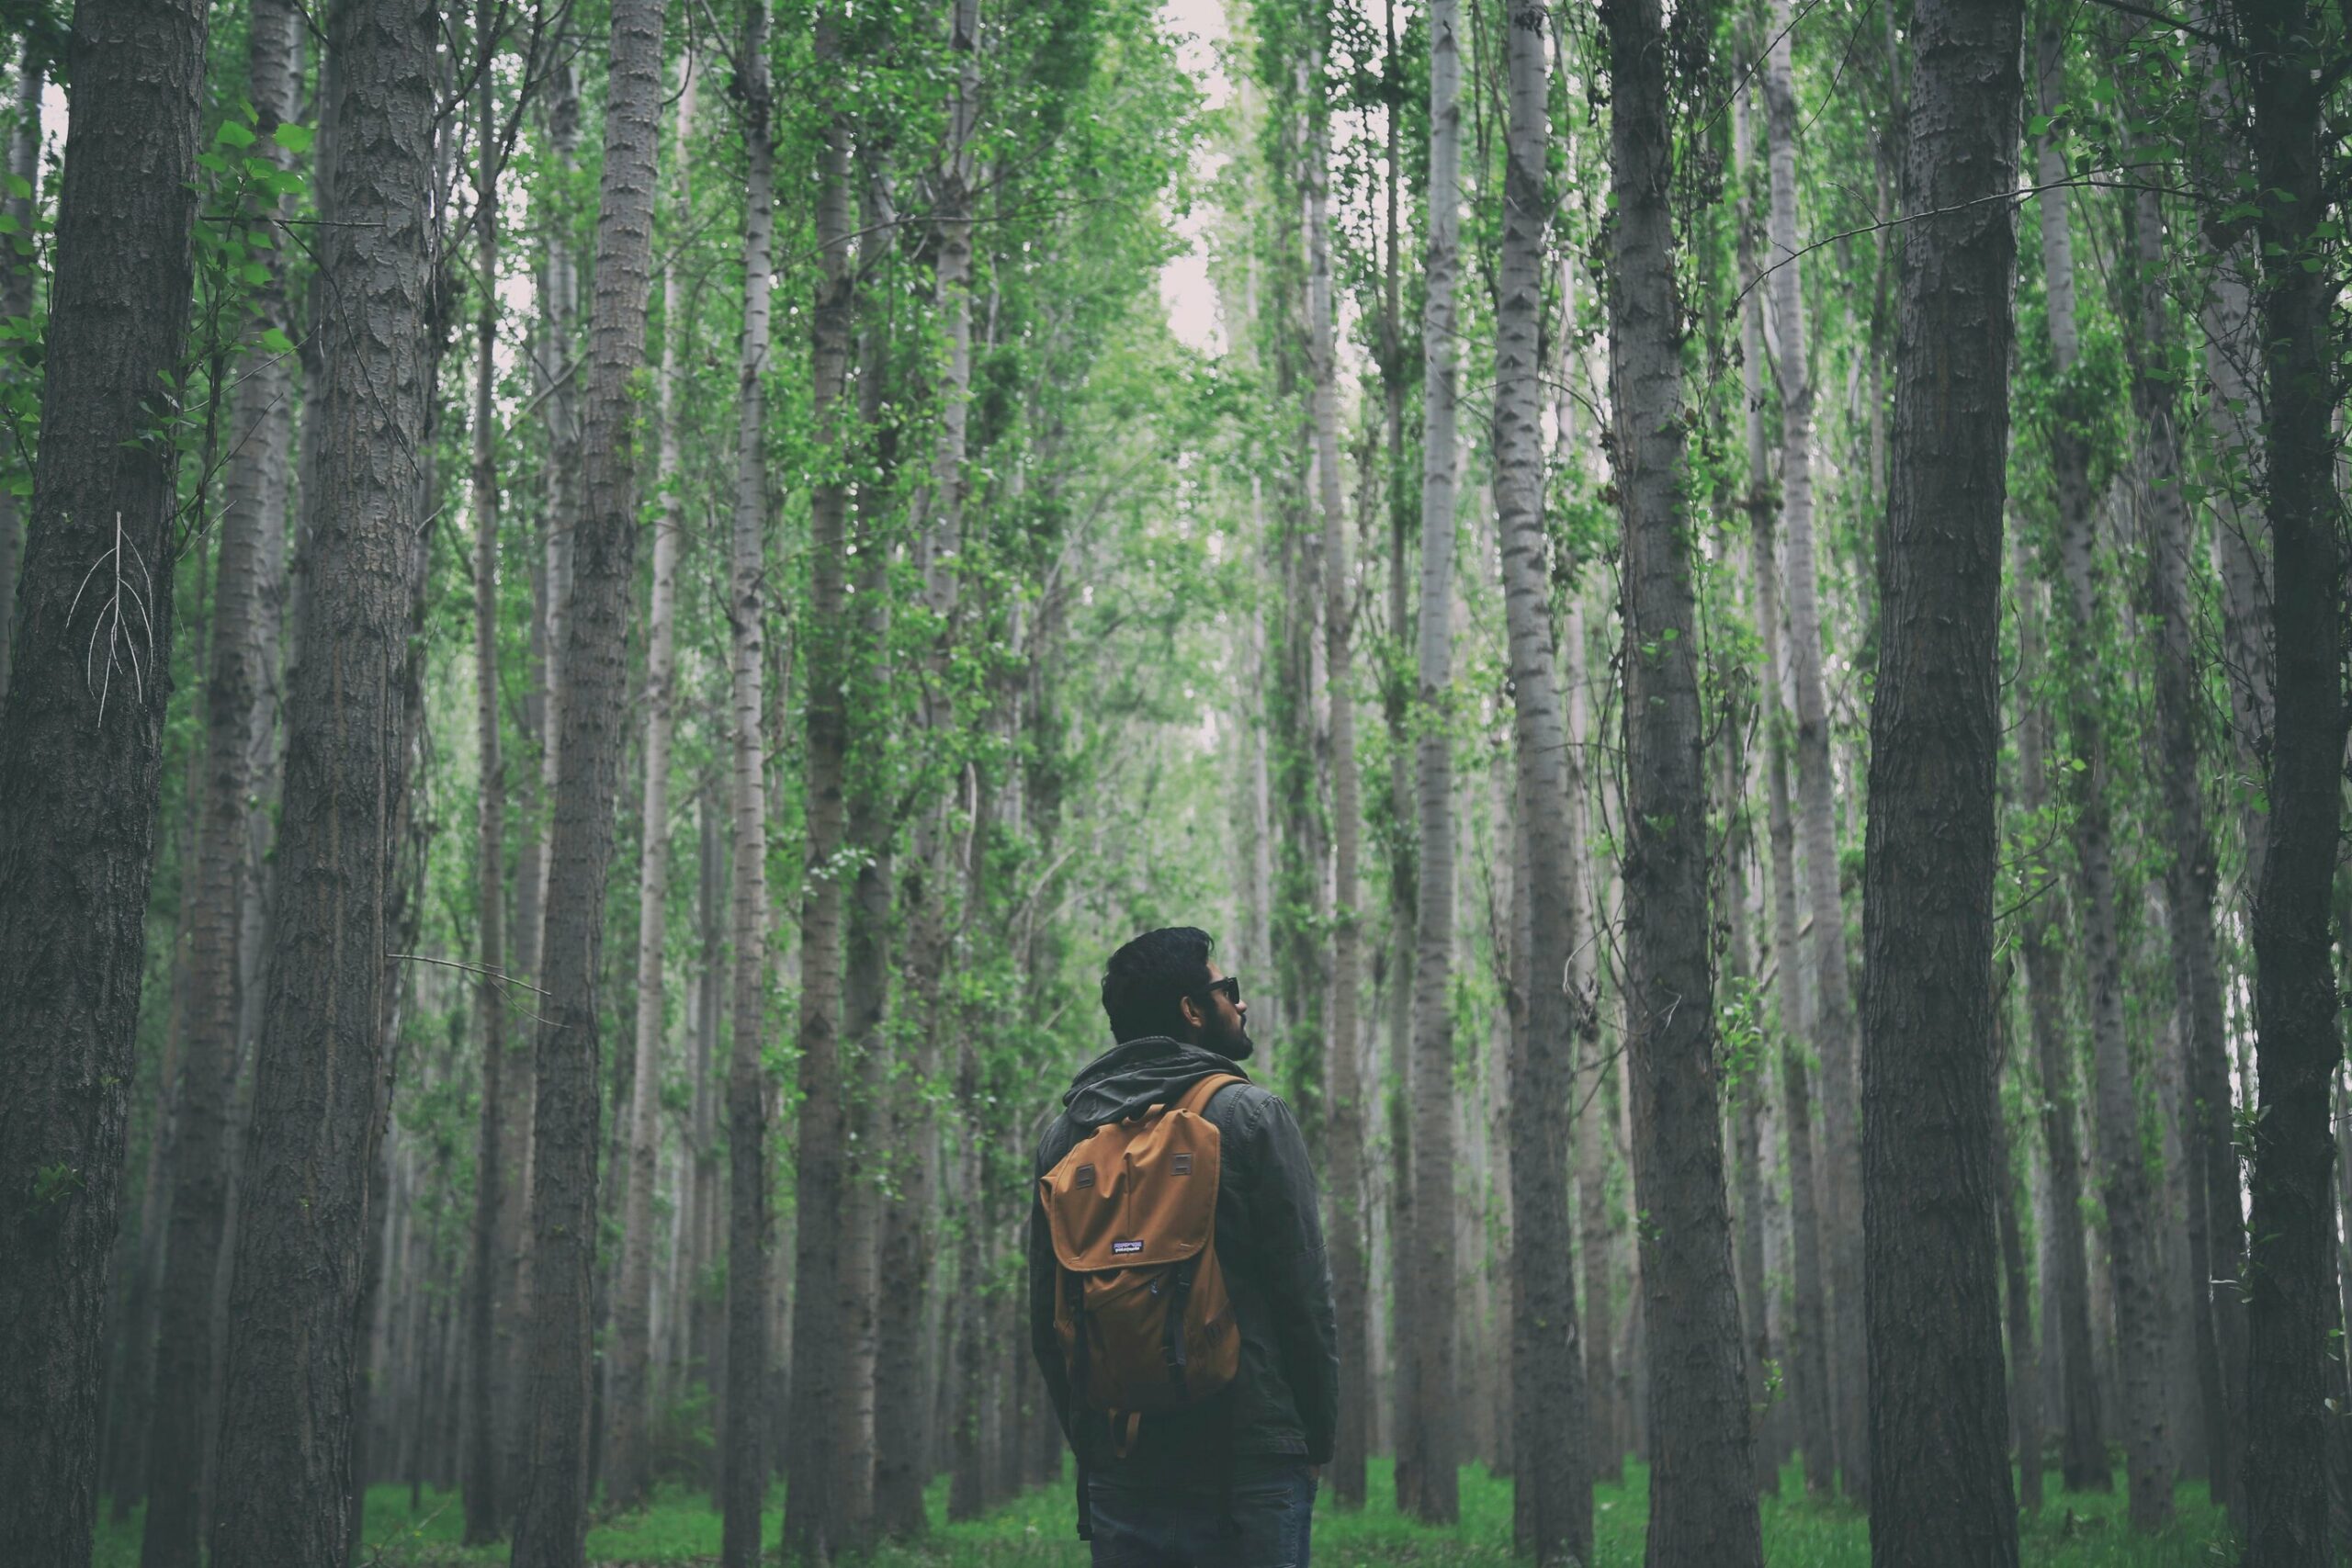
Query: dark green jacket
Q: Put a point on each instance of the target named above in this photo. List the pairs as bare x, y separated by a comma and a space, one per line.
1286, 1398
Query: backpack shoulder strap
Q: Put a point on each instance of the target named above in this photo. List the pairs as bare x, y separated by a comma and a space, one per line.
1196, 1098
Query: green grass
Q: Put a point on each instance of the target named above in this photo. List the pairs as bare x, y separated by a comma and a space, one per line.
2076, 1530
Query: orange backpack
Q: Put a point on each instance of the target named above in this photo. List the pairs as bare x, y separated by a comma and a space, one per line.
1139, 1302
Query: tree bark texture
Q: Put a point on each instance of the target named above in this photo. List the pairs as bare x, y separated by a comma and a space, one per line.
235, 687
552, 1531
2298, 1043
1552, 1510
1832, 1012
744, 1461
1433, 1408
901, 1425
819, 1401
305, 1232
1933, 1177
484, 1517
1344, 1129
628, 1477
2190, 872
81, 741
1703, 1499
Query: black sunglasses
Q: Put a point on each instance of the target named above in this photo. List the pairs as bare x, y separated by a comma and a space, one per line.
1229, 989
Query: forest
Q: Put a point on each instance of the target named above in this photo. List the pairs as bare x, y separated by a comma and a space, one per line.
1733, 612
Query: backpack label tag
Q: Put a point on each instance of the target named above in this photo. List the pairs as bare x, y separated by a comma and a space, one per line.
1182, 1165
1085, 1176
1125, 1246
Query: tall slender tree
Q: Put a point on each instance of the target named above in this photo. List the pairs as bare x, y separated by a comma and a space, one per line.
812, 1524
1702, 1502
2082, 1451
744, 1462
1350, 1267
552, 1530
304, 1227
1431, 1411
484, 1517
1932, 1178
2126, 1188
253, 502
1552, 1510
628, 1468
81, 739
1832, 1014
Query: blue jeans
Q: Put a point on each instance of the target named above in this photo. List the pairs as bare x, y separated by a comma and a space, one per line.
1272, 1516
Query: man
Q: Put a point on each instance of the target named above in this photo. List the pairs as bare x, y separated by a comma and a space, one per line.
1230, 1482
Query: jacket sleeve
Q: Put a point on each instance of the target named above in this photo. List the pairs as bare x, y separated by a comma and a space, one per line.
1042, 1277
1299, 1274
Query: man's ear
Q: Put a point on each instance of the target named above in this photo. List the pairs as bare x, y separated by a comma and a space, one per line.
1189, 1010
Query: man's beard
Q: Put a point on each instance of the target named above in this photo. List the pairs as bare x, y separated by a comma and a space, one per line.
1234, 1047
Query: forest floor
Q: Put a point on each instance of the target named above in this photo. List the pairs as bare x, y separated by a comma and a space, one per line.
2075, 1530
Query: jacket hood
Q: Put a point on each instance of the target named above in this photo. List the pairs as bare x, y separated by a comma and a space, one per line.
1130, 1079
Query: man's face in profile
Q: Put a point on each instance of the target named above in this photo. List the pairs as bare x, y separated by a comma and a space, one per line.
1220, 1018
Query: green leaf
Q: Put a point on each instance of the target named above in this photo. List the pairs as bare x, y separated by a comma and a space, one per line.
294, 138
253, 272
275, 340
234, 134
18, 186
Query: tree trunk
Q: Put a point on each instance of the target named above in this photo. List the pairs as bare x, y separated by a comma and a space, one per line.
551, 1532
1703, 1499
743, 1458
1344, 1130
233, 688
78, 792
2190, 873
2082, 1451
628, 1477
1932, 1180
2231, 361
305, 1231
2025, 1404
2127, 1190
18, 276
1832, 1015
1595, 1214
819, 1401
901, 1428
1428, 1257
1552, 1510
2298, 1040
484, 1516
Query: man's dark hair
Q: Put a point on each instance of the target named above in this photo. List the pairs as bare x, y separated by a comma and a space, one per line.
1145, 980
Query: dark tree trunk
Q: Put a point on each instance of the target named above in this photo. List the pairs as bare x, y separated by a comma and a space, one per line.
2299, 1041
1703, 1498
1930, 1154
1552, 1510
81, 739
819, 1401
551, 1532
304, 1228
